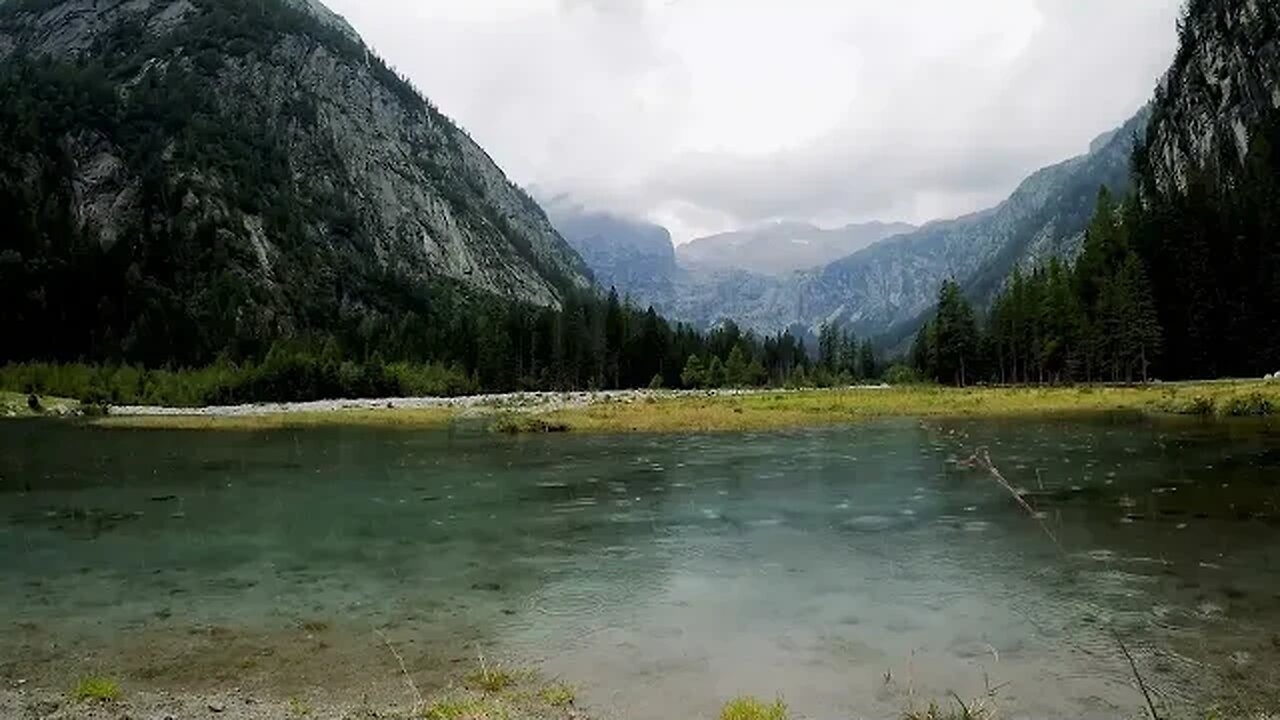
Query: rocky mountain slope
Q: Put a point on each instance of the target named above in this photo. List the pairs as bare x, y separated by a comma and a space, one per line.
884, 288
1223, 86
201, 174
633, 256
783, 247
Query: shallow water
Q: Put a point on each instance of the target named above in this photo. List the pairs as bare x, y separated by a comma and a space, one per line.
854, 571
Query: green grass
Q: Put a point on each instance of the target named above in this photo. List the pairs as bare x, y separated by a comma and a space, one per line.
516, 423
491, 679
403, 418
14, 404
96, 689
558, 695
779, 409
751, 708
466, 708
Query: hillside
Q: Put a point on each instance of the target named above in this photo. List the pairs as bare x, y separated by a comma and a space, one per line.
181, 178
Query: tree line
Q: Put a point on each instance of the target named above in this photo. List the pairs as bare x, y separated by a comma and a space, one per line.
1175, 282
462, 343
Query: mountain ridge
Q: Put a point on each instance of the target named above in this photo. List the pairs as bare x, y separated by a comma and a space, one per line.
250, 167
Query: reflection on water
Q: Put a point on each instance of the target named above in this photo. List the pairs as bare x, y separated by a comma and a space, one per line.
849, 570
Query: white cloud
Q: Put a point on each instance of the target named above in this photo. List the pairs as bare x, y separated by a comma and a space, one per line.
711, 114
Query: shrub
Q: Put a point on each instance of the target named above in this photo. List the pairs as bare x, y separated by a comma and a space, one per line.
1253, 404
750, 708
97, 689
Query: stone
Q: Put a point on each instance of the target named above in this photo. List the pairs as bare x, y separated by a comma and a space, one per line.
217, 706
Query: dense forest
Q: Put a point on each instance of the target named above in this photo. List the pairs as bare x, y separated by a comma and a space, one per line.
486, 345
1172, 283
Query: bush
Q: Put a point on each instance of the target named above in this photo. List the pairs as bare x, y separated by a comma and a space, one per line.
97, 689
1253, 404
901, 375
750, 708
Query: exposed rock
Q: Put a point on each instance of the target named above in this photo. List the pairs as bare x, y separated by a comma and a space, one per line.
290, 162
1223, 81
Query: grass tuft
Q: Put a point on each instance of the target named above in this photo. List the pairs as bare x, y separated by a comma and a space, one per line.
751, 708
96, 689
465, 708
524, 423
558, 695
491, 679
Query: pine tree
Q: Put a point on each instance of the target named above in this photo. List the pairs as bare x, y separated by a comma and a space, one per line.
735, 368
694, 374
867, 367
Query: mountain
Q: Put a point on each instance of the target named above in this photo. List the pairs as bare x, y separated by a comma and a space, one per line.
782, 247
634, 256
1221, 91
183, 177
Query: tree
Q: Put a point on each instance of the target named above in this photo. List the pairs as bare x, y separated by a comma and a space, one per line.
955, 336
849, 355
736, 368
694, 374
715, 376
829, 347
867, 367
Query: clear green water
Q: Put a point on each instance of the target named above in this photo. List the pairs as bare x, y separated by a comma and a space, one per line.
850, 570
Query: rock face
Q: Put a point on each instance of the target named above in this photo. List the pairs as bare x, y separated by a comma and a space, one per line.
633, 256
254, 162
1222, 84
783, 247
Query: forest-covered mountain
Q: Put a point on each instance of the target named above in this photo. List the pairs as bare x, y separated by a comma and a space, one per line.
779, 248
887, 288
185, 178
1181, 278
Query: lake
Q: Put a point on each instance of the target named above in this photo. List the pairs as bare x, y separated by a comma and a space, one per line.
852, 571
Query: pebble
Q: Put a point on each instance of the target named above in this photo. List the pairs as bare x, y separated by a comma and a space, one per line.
217, 706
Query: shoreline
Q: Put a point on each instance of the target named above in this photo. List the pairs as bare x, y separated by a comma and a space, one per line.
666, 411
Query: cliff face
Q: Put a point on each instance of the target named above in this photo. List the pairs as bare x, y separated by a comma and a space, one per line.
1224, 82
253, 162
635, 257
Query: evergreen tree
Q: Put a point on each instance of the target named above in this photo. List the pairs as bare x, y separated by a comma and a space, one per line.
694, 374
867, 367
736, 368
955, 336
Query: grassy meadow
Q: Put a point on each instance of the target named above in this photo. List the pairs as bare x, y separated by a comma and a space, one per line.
770, 410
688, 411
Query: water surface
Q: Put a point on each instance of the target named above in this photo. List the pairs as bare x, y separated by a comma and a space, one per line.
851, 570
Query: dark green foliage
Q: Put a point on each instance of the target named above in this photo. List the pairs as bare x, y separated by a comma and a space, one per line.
1096, 321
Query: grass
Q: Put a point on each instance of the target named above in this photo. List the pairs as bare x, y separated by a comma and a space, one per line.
516, 423
751, 708
402, 418
665, 412
777, 410
14, 404
467, 708
495, 693
96, 689
491, 679
558, 695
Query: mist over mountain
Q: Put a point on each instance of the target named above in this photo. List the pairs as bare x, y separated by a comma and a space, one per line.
782, 247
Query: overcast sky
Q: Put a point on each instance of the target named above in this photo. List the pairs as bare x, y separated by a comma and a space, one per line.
707, 115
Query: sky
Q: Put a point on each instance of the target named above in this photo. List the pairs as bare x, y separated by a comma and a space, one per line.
711, 115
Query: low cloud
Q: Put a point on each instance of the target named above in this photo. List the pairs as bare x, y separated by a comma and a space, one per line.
707, 115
